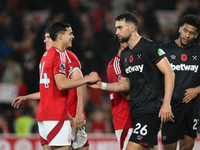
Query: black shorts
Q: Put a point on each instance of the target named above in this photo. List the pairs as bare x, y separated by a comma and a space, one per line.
145, 129
186, 122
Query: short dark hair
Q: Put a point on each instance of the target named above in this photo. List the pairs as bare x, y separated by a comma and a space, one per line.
128, 17
56, 28
191, 20
47, 29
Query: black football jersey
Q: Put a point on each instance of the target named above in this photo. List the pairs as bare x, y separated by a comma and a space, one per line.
185, 64
146, 80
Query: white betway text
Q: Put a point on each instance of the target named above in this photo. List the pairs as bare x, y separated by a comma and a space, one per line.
184, 67
136, 68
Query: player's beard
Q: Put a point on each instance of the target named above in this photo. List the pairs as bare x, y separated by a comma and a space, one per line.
124, 39
185, 45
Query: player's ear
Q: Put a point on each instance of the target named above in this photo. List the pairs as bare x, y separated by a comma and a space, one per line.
132, 27
60, 36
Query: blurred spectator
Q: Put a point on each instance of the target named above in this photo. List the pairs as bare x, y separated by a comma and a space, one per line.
148, 20
98, 122
25, 123
4, 128
12, 71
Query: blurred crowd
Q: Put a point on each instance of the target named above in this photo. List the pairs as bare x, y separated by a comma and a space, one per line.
22, 24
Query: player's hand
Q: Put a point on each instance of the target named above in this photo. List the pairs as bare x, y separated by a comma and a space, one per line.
190, 94
79, 121
96, 85
71, 121
19, 100
166, 114
93, 77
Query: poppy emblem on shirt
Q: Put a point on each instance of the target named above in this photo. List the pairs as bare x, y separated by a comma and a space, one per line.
62, 66
131, 58
184, 57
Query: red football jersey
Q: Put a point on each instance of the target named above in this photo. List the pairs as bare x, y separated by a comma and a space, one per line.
72, 65
53, 102
120, 108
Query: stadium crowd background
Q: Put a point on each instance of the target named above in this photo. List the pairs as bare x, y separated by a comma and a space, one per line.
22, 24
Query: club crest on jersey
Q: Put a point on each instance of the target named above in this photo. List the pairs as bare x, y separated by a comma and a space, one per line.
62, 66
183, 57
131, 58
194, 57
139, 55
160, 52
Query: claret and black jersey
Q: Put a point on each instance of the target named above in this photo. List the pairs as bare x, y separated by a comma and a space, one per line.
146, 80
185, 64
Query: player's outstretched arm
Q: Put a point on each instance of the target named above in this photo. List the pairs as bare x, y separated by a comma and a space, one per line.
23, 99
169, 77
63, 83
123, 86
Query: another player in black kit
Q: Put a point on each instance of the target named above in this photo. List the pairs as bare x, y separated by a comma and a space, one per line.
184, 57
142, 65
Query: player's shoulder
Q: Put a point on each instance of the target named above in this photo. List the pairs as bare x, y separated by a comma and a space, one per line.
149, 43
167, 44
71, 54
113, 61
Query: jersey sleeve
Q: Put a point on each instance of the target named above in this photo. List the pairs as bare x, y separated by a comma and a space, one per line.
59, 65
73, 64
155, 52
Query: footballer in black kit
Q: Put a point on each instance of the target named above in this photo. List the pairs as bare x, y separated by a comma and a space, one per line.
139, 65
184, 57
185, 64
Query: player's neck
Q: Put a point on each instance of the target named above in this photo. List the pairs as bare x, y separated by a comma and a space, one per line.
134, 39
59, 46
178, 42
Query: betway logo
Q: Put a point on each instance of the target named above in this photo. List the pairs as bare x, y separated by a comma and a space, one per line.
184, 67
136, 68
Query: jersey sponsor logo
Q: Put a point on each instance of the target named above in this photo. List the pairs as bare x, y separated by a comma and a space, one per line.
136, 68
184, 67
62, 66
183, 57
160, 52
131, 58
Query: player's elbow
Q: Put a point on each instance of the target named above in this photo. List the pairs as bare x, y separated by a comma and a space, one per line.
61, 86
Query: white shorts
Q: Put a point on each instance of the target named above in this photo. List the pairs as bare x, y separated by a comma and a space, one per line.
123, 136
79, 138
55, 133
